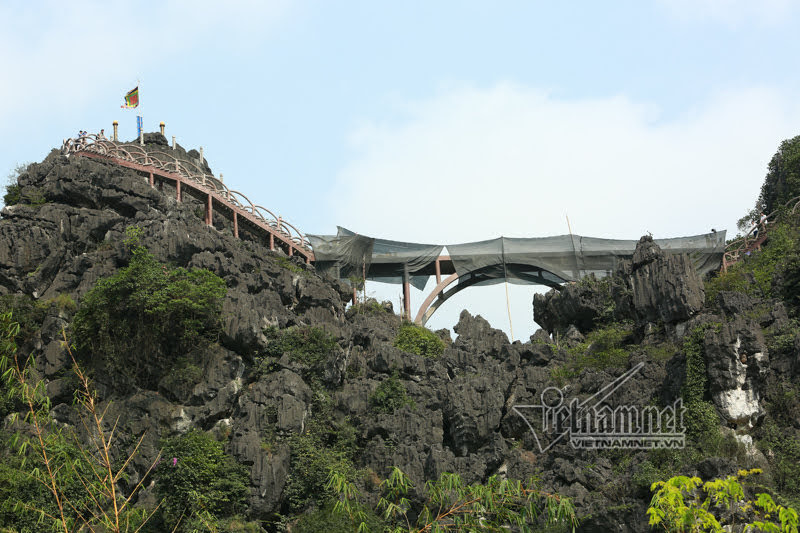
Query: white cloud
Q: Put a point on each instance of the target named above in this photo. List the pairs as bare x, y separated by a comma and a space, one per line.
475, 163
58, 56
472, 164
732, 13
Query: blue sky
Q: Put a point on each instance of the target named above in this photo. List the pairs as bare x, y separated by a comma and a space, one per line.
446, 121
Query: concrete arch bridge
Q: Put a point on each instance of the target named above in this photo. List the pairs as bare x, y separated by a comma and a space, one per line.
549, 261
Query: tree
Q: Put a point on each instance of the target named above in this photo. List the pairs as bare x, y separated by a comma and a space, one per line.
135, 324
199, 483
782, 182
60, 482
451, 505
686, 504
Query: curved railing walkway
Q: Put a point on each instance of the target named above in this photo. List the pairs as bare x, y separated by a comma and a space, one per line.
188, 174
754, 238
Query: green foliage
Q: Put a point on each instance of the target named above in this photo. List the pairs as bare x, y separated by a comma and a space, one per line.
326, 520
660, 352
694, 389
701, 418
419, 340
772, 272
734, 280
322, 448
370, 307
56, 481
27, 312
451, 505
287, 263
12, 195
26, 501
33, 197
13, 190
687, 504
200, 484
390, 395
782, 447
782, 181
307, 345
147, 310
603, 348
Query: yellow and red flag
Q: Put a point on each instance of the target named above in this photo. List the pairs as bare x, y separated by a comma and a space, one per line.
132, 99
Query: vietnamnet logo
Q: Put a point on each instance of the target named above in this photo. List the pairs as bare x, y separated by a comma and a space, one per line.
592, 423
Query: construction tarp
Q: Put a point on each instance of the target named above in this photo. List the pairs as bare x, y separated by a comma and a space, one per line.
538, 260
549, 260
383, 260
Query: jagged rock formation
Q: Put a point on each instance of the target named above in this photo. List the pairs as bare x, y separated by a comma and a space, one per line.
462, 417
651, 287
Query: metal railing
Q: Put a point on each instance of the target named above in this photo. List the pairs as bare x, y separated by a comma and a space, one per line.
188, 170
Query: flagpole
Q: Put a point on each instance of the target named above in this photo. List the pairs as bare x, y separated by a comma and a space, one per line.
141, 115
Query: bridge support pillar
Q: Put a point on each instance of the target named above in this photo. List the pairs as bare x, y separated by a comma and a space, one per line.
291, 250
406, 297
152, 180
235, 225
271, 242
438, 271
209, 212
178, 191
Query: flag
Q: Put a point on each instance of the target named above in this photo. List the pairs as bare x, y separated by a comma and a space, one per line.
132, 99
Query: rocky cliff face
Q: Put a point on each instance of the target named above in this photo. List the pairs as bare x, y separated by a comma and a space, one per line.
461, 416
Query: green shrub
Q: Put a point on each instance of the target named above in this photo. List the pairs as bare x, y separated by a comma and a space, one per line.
370, 307
701, 418
27, 312
685, 503
734, 280
782, 447
313, 454
287, 263
13, 190
34, 197
199, 483
326, 520
660, 352
307, 345
694, 388
774, 271
603, 348
390, 395
133, 325
12, 195
419, 340
24, 496
782, 181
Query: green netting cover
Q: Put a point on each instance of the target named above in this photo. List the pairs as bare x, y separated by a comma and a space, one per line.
350, 254
539, 260
546, 260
